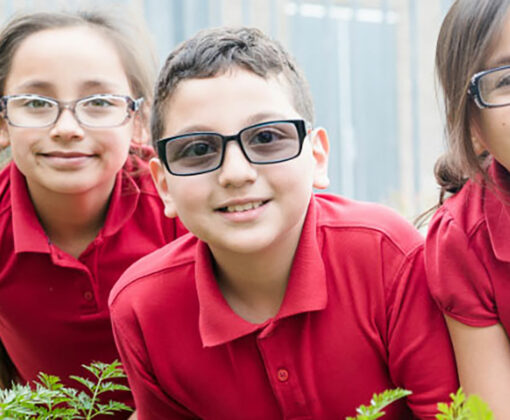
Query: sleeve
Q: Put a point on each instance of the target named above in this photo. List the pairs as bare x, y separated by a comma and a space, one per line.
458, 280
420, 355
151, 401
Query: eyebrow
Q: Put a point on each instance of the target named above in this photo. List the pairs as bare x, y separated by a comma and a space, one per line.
251, 120
500, 61
34, 84
88, 84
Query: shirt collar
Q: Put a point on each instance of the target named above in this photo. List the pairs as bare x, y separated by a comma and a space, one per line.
29, 236
123, 202
496, 208
306, 290
28, 233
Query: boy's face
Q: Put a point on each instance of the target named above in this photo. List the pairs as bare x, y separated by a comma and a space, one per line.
240, 207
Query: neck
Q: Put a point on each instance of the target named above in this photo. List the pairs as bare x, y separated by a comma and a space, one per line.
71, 221
254, 285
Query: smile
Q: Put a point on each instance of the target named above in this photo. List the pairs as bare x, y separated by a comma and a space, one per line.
66, 155
242, 207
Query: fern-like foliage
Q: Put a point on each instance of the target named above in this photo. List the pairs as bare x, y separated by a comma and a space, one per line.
49, 399
378, 403
462, 408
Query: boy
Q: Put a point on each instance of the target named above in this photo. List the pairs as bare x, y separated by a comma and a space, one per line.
284, 304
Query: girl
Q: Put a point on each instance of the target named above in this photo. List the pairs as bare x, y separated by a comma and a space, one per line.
76, 206
468, 246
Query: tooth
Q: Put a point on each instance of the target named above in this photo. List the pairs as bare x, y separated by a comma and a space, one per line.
244, 207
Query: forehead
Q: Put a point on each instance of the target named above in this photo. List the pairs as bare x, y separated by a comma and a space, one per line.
500, 48
64, 58
227, 103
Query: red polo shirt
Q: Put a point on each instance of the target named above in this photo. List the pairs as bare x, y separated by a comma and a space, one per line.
53, 307
468, 252
356, 319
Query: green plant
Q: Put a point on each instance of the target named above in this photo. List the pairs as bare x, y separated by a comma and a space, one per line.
49, 399
378, 403
462, 408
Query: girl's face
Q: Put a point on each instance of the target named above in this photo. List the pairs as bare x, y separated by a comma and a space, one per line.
491, 126
67, 158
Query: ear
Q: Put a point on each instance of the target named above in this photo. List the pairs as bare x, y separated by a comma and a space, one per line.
158, 173
4, 134
476, 134
320, 150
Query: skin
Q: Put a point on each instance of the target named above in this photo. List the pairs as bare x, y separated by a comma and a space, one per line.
253, 250
483, 354
483, 363
70, 169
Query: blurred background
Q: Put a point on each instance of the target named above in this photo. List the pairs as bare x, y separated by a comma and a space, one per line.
370, 65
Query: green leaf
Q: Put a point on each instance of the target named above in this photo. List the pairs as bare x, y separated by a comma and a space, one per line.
378, 403
49, 399
478, 409
84, 381
460, 408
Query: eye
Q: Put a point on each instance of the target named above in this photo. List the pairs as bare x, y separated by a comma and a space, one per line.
264, 137
504, 81
97, 103
194, 147
197, 149
37, 103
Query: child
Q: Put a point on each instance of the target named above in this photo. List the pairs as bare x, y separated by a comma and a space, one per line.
76, 207
285, 304
467, 248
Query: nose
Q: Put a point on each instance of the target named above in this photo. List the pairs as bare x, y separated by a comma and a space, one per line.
236, 170
67, 127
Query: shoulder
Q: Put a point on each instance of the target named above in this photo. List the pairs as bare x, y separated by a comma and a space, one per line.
464, 210
173, 261
458, 258
367, 221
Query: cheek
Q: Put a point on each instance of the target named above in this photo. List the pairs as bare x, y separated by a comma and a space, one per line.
189, 194
22, 143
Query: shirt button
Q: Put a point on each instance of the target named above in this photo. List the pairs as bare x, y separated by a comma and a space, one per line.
282, 375
88, 295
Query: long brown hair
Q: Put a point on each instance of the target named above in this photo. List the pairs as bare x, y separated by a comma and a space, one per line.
464, 43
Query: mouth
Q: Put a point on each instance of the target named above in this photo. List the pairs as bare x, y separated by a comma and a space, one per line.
66, 155
239, 208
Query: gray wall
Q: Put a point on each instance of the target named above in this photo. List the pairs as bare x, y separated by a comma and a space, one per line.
370, 68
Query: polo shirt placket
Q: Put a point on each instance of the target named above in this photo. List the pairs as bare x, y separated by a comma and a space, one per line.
282, 373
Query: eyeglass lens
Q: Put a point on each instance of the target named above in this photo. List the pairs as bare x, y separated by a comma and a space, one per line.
261, 144
98, 111
494, 87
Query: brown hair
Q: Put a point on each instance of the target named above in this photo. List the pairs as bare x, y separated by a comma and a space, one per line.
128, 36
465, 40
216, 51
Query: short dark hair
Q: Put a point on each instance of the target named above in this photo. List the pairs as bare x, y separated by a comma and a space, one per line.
212, 52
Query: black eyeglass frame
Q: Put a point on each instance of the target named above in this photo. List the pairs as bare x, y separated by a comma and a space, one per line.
302, 127
133, 105
474, 88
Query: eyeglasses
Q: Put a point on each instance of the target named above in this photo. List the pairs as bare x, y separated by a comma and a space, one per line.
265, 143
491, 88
96, 111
